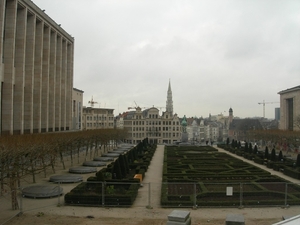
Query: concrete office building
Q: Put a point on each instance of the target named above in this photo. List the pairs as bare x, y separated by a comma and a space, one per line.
36, 70
289, 108
77, 98
97, 118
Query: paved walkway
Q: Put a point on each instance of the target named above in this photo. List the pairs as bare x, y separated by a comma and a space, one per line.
149, 194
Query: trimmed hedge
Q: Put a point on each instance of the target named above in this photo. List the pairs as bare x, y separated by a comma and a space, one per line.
212, 172
120, 188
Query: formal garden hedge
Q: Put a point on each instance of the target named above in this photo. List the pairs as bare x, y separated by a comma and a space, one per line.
115, 185
200, 177
277, 162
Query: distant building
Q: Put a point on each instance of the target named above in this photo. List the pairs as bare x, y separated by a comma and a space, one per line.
77, 98
289, 108
119, 120
36, 70
195, 130
165, 128
211, 129
97, 118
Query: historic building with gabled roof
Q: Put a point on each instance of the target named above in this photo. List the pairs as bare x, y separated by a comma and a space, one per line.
158, 128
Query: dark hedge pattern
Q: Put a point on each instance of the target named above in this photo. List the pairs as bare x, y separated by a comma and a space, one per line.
198, 176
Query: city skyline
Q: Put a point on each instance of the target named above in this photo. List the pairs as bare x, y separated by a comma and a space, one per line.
217, 54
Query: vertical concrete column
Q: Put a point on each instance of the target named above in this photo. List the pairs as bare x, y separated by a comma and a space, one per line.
20, 43
9, 73
29, 73
52, 79
45, 79
37, 90
63, 85
58, 83
2, 16
69, 85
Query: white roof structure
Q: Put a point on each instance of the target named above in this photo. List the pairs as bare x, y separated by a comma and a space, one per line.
291, 221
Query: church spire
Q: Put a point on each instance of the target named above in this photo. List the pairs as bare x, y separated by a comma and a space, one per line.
169, 105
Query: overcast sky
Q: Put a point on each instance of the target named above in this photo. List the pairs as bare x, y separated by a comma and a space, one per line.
217, 53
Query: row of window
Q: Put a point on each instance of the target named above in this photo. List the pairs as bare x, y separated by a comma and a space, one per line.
164, 135
100, 125
155, 123
155, 128
98, 117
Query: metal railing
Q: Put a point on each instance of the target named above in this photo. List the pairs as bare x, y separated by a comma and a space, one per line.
156, 195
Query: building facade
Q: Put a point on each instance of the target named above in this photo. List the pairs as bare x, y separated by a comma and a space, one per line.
97, 118
158, 128
289, 108
165, 128
77, 99
36, 70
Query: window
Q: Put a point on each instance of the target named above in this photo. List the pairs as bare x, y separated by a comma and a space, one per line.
290, 113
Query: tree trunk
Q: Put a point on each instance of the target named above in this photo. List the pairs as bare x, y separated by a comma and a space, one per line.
91, 151
71, 153
62, 159
52, 163
86, 152
14, 194
32, 170
78, 154
44, 167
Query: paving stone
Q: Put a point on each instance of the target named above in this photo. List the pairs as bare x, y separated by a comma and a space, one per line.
187, 222
235, 219
178, 216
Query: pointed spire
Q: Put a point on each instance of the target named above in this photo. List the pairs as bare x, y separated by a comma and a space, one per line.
169, 105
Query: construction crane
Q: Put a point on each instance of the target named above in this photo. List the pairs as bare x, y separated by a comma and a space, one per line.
92, 102
133, 107
136, 107
264, 104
